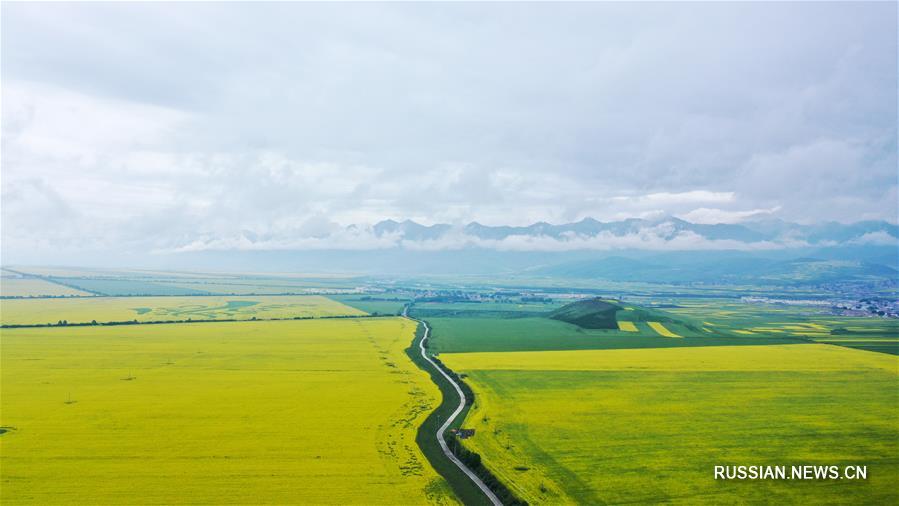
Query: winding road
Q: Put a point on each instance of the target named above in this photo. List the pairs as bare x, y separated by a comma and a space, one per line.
440, 431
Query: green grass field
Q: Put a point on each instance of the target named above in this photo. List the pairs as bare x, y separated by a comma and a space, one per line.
373, 303
453, 335
148, 309
649, 425
115, 286
806, 322
468, 327
491, 306
278, 412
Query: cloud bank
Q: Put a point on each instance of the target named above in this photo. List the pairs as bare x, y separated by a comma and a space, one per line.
171, 127
665, 234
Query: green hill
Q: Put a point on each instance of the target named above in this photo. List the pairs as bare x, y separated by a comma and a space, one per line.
588, 314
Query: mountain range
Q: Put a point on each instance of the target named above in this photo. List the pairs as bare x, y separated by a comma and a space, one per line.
668, 228
665, 249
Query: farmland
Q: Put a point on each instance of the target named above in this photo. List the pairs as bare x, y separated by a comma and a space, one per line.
33, 287
648, 425
816, 324
457, 328
115, 286
644, 322
274, 412
373, 304
577, 399
132, 282
147, 309
589, 314
454, 335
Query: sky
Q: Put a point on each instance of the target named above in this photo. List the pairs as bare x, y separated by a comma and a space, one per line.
164, 127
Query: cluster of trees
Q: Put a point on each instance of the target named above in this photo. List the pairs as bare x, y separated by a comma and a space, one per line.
469, 394
70, 296
536, 299
65, 323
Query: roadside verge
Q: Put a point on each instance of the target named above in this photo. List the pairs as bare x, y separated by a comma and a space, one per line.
463, 470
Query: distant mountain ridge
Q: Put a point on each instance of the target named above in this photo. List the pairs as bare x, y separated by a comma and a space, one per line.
667, 228
664, 249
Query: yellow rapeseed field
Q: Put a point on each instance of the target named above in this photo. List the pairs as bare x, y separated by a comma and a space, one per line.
662, 330
649, 425
277, 412
143, 309
627, 326
32, 287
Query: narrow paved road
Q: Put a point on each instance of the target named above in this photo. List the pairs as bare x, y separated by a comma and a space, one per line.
440, 431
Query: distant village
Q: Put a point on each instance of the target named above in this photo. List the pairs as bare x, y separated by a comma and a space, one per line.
869, 307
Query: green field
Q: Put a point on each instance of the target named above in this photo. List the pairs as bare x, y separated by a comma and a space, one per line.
463, 308
806, 322
114, 286
649, 425
279, 412
452, 335
373, 304
472, 327
155, 309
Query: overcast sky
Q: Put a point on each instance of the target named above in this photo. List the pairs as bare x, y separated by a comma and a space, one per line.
147, 127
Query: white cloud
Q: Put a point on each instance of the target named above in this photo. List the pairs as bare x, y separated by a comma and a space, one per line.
689, 197
707, 215
661, 237
879, 238
251, 125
